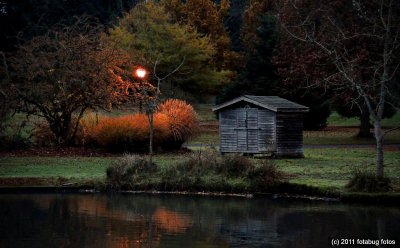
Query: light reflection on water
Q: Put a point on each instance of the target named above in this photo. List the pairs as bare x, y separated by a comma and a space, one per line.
76, 220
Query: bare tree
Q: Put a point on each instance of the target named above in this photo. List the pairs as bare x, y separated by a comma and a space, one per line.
361, 39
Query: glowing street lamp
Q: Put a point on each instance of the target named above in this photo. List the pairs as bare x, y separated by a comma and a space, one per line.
140, 73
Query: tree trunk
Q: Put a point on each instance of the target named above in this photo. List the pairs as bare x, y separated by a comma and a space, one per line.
76, 127
150, 117
379, 148
365, 125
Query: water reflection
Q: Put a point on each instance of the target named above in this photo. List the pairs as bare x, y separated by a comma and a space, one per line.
56, 220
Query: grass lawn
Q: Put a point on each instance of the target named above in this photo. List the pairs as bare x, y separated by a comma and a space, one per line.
326, 168
75, 169
332, 167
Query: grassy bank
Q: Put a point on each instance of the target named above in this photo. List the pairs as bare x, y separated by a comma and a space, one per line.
69, 169
333, 167
323, 168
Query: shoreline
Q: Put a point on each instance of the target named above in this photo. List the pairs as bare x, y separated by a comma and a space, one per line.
377, 199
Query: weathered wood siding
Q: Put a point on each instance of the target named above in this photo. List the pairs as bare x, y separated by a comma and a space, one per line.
289, 129
247, 130
267, 134
228, 134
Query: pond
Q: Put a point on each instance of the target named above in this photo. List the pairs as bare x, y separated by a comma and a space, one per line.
144, 220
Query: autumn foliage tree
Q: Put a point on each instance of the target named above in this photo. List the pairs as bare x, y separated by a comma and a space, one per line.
60, 75
252, 20
207, 18
156, 41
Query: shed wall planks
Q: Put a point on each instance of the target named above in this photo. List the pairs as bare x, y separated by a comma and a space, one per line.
289, 131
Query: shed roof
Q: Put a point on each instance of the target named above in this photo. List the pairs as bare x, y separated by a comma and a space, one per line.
273, 103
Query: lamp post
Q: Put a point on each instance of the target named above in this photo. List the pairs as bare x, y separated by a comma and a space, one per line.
149, 105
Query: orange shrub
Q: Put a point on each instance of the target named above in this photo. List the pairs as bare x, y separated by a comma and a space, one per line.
182, 120
174, 123
129, 132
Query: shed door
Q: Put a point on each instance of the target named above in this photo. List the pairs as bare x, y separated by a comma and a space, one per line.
267, 131
247, 130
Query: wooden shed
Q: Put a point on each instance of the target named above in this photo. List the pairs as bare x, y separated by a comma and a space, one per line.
261, 124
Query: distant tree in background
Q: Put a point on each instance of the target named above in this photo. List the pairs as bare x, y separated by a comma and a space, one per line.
252, 20
347, 108
233, 20
260, 74
154, 40
60, 75
207, 18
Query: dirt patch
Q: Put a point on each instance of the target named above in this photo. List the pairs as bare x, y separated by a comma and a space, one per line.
209, 126
391, 148
73, 152
342, 129
346, 129
57, 152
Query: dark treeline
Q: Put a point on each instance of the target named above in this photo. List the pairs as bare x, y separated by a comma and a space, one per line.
20, 20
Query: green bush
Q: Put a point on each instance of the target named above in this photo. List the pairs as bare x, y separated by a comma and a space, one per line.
204, 162
127, 169
265, 176
234, 165
198, 171
205, 170
367, 182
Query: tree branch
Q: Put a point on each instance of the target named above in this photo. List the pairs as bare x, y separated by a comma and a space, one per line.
166, 76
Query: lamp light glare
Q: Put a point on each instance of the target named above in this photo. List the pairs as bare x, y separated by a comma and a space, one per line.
141, 73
